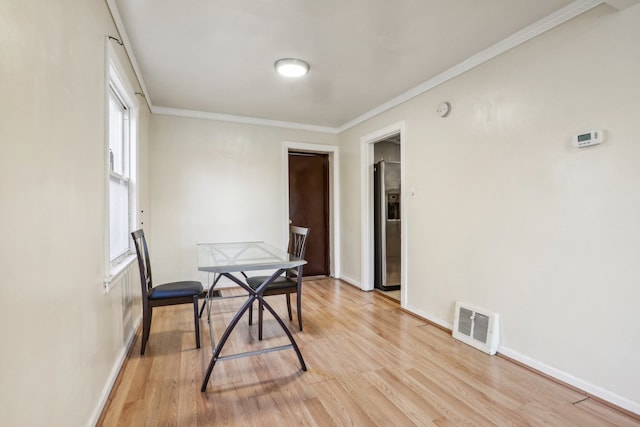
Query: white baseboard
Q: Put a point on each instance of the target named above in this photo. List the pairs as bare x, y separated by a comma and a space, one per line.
225, 285
113, 376
350, 281
430, 318
581, 384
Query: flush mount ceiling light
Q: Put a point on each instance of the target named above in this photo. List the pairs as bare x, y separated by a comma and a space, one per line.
291, 67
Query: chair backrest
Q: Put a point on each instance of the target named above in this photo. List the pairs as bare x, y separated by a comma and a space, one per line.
298, 242
143, 262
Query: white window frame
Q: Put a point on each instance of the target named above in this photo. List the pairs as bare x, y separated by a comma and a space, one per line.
117, 82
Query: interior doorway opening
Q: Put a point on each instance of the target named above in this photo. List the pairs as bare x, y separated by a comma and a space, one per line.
387, 223
391, 141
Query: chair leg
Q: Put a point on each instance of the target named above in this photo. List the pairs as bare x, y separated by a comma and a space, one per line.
299, 307
146, 328
196, 319
204, 304
251, 314
289, 306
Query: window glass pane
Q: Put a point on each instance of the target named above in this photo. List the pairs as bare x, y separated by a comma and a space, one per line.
117, 154
119, 217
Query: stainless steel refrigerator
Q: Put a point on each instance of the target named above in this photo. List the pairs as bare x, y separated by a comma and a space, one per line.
386, 199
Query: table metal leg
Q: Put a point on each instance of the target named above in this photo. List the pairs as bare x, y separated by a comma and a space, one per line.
223, 340
253, 295
286, 330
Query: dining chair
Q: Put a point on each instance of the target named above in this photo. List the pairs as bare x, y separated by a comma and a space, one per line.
287, 284
185, 292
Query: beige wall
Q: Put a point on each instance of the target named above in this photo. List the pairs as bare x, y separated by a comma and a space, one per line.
214, 182
511, 217
62, 336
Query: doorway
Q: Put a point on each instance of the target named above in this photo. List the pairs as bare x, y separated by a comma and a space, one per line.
387, 207
367, 153
309, 206
332, 153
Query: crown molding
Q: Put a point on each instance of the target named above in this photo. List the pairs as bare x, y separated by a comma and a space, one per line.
194, 114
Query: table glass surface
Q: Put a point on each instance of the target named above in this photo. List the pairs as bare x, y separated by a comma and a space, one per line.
243, 256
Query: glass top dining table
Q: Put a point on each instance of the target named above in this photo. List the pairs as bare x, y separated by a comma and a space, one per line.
243, 256
229, 259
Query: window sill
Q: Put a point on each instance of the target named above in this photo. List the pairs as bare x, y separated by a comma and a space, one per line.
116, 271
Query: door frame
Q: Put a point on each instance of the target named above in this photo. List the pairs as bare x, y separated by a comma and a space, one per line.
334, 194
366, 208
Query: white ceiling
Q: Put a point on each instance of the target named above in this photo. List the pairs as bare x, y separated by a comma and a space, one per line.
216, 56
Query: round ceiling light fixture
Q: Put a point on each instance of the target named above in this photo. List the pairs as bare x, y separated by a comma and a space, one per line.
291, 67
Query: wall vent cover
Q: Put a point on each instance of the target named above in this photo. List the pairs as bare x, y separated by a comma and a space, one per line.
477, 327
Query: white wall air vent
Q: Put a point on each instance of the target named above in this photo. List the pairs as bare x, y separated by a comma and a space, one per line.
477, 327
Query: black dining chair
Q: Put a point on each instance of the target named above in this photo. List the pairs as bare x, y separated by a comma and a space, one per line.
287, 284
185, 292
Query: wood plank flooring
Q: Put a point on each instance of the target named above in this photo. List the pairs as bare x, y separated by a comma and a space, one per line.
369, 364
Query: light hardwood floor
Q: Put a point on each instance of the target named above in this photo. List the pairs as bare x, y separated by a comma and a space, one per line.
369, 363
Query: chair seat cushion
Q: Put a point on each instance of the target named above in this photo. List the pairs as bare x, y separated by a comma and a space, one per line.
280, 282
176, 289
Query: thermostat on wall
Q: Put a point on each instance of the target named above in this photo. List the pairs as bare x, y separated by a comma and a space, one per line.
589, 138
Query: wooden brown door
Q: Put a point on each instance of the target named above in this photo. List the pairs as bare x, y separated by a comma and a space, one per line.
309, 206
